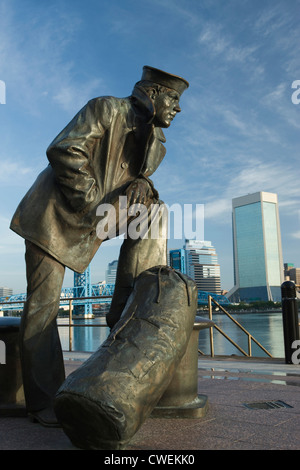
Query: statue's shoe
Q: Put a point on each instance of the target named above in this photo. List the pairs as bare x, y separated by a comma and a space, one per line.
45, 417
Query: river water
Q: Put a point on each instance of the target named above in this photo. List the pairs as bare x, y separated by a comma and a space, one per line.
265, 327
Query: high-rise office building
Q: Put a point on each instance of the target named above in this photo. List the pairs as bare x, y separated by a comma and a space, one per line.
287, 268
257, 253
5, 291
111, 272
198, 259
202, 265
295, 276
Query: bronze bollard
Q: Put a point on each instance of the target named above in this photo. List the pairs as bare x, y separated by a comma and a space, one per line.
12, 401
290, 318
181, 399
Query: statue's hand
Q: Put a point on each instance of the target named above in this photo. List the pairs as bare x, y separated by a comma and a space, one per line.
139, 192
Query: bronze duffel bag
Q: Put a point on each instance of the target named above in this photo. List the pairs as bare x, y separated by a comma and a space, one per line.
105, 401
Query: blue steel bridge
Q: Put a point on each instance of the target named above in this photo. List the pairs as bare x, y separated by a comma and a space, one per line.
96, 294
99, 294
85, 294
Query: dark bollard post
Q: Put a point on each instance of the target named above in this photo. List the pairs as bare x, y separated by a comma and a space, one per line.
12, 401
290, 318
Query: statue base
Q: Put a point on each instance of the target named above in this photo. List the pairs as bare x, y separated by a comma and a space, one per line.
196, 409
13, 410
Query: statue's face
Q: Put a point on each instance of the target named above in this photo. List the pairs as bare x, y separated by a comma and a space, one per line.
166, 106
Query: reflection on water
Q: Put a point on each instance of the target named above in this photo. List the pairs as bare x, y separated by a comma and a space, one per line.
84, 338
264, 327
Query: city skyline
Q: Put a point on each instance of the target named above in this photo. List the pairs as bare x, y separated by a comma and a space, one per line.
238, 131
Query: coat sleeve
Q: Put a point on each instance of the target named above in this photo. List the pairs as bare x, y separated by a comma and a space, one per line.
71, 152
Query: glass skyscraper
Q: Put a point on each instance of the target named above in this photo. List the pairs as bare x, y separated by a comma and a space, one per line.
258, 264
177, 259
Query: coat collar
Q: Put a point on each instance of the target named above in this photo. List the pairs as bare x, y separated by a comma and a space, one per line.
145, 111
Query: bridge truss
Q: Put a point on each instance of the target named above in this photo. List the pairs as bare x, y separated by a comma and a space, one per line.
85, 295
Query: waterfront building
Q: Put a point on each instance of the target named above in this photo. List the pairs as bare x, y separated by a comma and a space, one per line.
292, 274
177, 259
295, 276
111, 272
287, 267
257, 252
6, 292
198, 259
202, 265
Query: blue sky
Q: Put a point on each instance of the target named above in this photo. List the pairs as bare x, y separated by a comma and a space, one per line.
238, 132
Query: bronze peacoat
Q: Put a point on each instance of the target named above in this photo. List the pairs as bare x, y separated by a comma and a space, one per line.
108, 144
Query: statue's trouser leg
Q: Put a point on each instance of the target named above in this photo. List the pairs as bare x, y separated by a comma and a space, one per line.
40, 348
137, 255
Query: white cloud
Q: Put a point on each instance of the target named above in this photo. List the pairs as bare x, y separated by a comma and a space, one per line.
296, 234
280, 100
13, 171
71, 96
9, 241
233, 119
212, 36
218, 208
222, 43
246, 123
271, 20
256, 176
274, 176
275, 95
34, 63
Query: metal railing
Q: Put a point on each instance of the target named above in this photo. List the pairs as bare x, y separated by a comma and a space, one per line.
70, 325
250, 337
